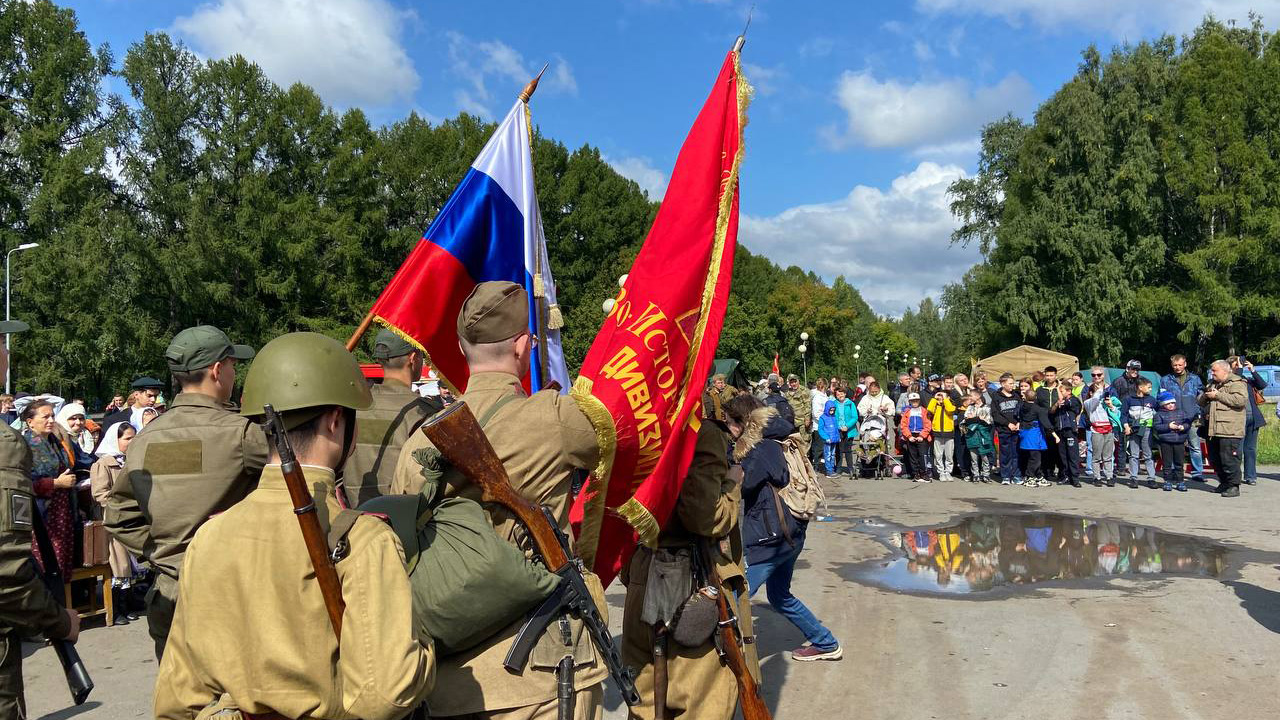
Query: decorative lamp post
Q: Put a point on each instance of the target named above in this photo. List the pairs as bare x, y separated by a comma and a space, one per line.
802, 349
8, 389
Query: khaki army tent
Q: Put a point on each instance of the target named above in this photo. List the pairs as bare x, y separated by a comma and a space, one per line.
1024, 360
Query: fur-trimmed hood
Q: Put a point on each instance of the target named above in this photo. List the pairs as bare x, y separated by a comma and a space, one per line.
764, 423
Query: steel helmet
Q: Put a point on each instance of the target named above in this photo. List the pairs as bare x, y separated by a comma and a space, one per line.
303, 371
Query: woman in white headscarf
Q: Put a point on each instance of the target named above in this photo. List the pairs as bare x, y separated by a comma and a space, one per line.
102, 477
71, 418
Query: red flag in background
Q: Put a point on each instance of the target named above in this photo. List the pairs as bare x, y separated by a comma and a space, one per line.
641, 383
775, 363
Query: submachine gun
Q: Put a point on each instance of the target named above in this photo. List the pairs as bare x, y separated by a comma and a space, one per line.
460, 439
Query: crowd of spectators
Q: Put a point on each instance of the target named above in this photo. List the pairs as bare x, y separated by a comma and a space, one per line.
1035, 431
75, 461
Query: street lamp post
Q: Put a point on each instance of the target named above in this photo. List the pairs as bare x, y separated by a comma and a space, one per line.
804, 362
857, 349
8, 388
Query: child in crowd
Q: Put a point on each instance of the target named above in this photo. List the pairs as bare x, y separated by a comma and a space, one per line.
1006, 415
916, 430
1138, 413
829, 431
1104, 414
976, 427
1171, 428
1034, 430
942, 418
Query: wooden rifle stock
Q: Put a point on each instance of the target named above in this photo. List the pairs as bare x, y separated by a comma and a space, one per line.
457, 434
304, 506
752, 705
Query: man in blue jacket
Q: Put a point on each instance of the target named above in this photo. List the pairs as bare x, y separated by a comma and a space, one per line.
1186, 387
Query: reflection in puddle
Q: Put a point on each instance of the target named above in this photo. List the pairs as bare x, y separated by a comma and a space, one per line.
985, 552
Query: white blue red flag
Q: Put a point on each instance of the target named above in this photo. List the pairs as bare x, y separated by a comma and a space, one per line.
490, 229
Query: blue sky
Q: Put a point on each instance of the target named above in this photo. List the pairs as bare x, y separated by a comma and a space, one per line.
864, 111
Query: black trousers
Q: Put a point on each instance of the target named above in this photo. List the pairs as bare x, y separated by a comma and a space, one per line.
1068, 455
915, 454
1049, 458
1032, 467
844, 453
1172, 459
1226, 459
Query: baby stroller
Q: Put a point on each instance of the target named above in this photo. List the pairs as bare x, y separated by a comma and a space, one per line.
871, 448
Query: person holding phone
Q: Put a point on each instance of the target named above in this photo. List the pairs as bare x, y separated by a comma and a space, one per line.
1254, 420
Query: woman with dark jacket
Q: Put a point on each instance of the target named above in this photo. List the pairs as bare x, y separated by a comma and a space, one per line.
773, 537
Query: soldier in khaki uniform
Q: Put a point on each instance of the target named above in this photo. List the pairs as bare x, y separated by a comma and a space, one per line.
196, 460
540, 439
798, 398
699, 684
396, 414
26, 606
251, 634
717, 395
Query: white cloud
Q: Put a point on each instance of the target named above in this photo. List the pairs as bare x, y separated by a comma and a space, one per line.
349, 51
1120, 18
642, 171
892, 244
960, 151
890, 113
817, 47
764, 79
479, 63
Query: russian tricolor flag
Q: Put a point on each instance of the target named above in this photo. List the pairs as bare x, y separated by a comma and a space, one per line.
491, 229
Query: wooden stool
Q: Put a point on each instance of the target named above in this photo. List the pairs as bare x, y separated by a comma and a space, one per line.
101, 573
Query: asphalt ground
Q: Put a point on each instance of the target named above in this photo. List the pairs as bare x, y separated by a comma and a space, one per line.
1154, 646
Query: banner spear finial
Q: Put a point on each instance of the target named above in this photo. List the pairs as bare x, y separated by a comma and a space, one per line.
529, 89
742, 39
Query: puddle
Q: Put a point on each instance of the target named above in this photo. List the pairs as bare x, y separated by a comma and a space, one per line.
989, 553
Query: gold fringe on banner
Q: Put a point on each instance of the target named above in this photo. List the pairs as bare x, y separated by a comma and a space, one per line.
426, 356
640, 520
607, 440
555, 318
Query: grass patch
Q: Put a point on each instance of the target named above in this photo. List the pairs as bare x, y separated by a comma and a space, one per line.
1269, 437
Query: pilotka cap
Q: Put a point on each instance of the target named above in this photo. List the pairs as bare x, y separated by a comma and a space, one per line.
199, 347
389, 344
493, 312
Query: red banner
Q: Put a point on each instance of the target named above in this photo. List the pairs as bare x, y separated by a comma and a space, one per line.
642, 381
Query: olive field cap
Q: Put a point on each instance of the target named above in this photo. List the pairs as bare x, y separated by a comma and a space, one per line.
388, 344
304, 371
793, 376
199, 347
493, 312
147, 383
13, 326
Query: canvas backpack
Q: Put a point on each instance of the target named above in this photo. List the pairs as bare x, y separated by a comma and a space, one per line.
803, 496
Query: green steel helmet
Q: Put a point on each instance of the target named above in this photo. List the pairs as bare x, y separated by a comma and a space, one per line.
304, 371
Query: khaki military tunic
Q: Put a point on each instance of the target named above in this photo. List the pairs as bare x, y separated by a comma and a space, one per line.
197, 459
801, 405
540, 440
699, 685
381, 431
251, 631
25, 604
714, 400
